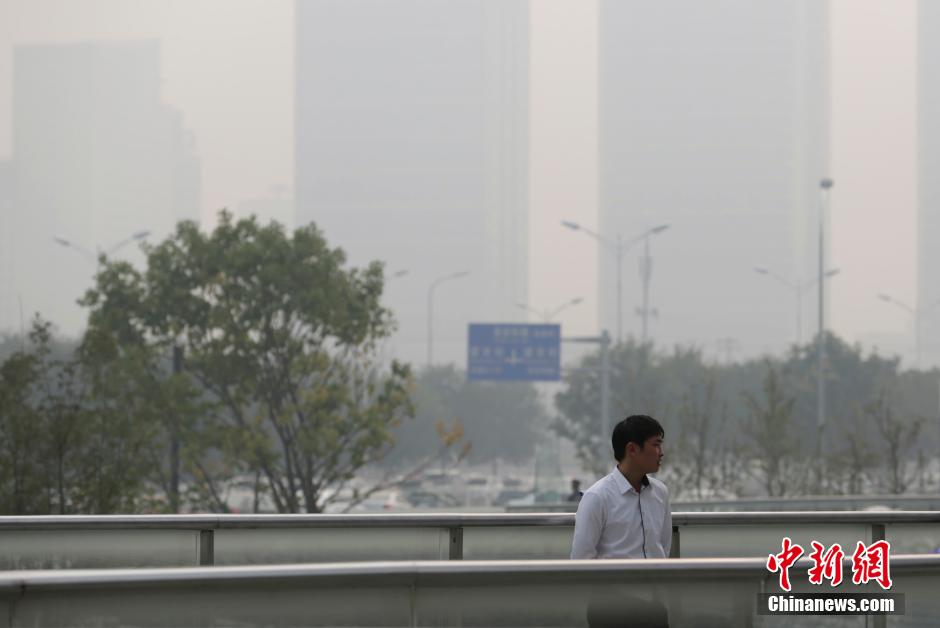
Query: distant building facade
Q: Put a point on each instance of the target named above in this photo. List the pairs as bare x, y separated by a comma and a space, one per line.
8, 305
97, 157
412, 149
714, 122
928, 164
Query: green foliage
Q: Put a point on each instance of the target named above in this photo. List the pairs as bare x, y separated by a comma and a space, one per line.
62, 453
22, 476
281, 382
136, 403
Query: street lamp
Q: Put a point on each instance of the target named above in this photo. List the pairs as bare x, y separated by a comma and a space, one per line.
431, 288
139, 235
824, 186
646, 267
548, 315
798, 289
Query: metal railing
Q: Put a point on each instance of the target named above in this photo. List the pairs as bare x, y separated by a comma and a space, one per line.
176, 540
766, 504
692, 592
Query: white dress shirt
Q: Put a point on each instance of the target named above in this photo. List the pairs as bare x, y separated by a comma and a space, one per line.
614, 521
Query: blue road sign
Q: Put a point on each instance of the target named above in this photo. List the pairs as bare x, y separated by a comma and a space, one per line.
514, 352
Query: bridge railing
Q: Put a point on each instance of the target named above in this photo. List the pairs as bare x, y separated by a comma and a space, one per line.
775, 504
184, 540
693, 592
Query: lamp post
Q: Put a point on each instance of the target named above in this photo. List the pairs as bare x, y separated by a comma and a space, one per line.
646, 271
798, 290
431, 288
619, 247
824, 186
548, 315
140, 235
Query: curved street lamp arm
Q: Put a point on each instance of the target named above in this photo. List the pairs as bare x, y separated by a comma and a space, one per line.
904, 306
561, 308
441, 280
649, 232
139, 235
72, 245
760, 270
577, 227
528, 308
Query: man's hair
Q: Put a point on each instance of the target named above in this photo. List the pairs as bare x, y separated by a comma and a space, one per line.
636, 428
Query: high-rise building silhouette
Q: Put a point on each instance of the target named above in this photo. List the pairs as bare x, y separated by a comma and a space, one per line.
97, 156
714, 122
412, 149
8, 306
928, 191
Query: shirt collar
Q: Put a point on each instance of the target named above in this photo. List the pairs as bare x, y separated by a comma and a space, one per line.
624, 486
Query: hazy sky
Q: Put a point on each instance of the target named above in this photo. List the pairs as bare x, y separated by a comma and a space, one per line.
873, 162
228, 66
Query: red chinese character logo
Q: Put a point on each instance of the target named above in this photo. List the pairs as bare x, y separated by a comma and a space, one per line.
871, 563
784, 560
826, 565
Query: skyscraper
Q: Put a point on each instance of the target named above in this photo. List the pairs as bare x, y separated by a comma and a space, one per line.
412, 149
928, 164
7, 293
97, 157
713, 120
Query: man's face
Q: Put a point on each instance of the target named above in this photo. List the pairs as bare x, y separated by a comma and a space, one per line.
650, 456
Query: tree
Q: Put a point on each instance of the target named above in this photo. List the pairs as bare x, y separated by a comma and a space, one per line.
22, 481
701, 418
855, 457
898, 436
280, 337
642, 381
770, 430
60, 411
132, 403
64, 452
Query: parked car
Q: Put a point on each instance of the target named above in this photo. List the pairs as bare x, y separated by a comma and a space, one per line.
383, 501
511, 495
427, 499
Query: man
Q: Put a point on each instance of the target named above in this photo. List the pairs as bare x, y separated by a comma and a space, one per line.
575, 495
626, 514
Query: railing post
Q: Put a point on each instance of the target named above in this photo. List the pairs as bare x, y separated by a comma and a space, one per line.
877, 533
206, 548
674, 551
456, 544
